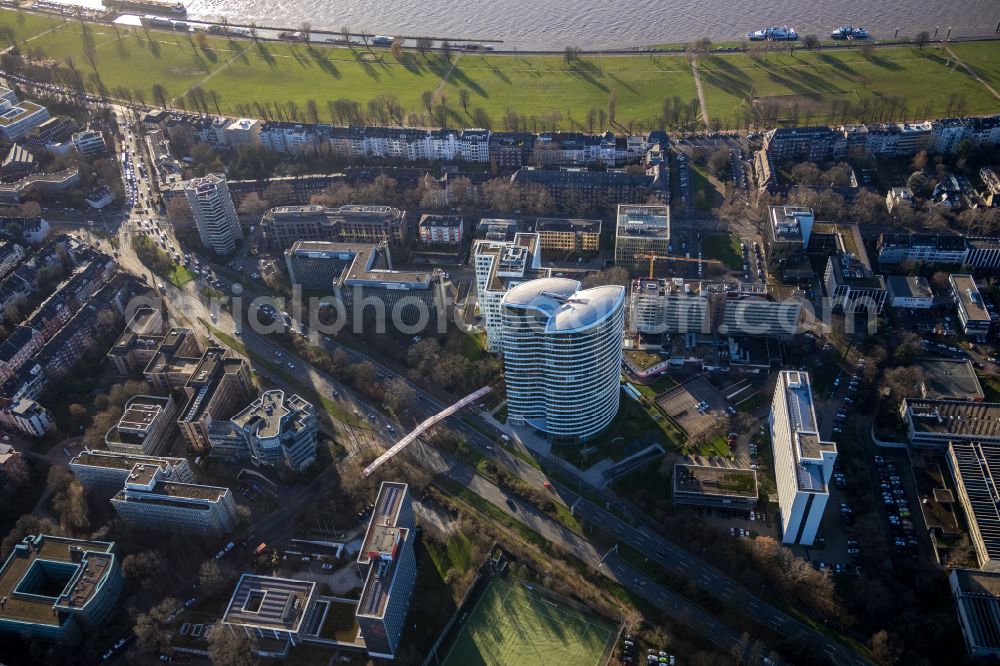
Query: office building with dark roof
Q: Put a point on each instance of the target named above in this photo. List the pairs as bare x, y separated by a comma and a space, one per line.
106, 472
360, 276
977, 601
56, 588
972, 465
388, 567
715, 487
936, 423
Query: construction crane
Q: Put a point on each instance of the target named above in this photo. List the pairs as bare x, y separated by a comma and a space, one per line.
653, 257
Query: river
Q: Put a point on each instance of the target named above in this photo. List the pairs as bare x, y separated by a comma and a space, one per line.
604, 24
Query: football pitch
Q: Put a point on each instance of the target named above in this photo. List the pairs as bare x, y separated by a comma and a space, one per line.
511, 625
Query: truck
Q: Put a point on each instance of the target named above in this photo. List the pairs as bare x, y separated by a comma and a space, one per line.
260, 549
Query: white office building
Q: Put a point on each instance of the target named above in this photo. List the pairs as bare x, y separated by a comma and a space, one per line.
500, 265
275, 429
148, 501
562, 356
803, 463
214, 213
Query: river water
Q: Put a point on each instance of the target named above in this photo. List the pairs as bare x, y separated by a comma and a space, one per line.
604, 24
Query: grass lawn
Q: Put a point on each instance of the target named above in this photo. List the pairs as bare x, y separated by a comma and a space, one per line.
982, 58
725, 248
179, 276
456, 554
542, 87
511, 625
924, 77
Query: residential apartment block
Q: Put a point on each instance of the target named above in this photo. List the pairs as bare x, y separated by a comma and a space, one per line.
849, 280
57, 589
803, 463
214, 213
571, 188
388, 567
285, 225
440, 229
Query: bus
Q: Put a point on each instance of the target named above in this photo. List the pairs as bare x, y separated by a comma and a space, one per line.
260, 549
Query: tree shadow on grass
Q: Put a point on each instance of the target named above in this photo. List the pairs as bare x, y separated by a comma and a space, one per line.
839, 66
460, 78
588, 73
121, 50
265, 54
154, 48
321, 59
367, 67
410, 63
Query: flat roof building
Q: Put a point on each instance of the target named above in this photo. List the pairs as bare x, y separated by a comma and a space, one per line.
971, 312
150, 501
949, 379
500, 265
909, 292
216, 387
803, 463
971, 465
977, 600
214, 213
350, 223
267, 607
106, 472
55, 588
850, 282
640, 232
274, 429
145, 428
935, 423
19, 118
568, 234
361, 277
388, 567
719, 487
440, 229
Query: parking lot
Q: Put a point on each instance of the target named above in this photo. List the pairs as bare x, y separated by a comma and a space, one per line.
695, 405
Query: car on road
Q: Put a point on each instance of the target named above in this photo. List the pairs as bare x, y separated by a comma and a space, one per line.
190, 602
511, 504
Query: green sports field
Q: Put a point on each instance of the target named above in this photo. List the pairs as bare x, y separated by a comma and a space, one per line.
513, 626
